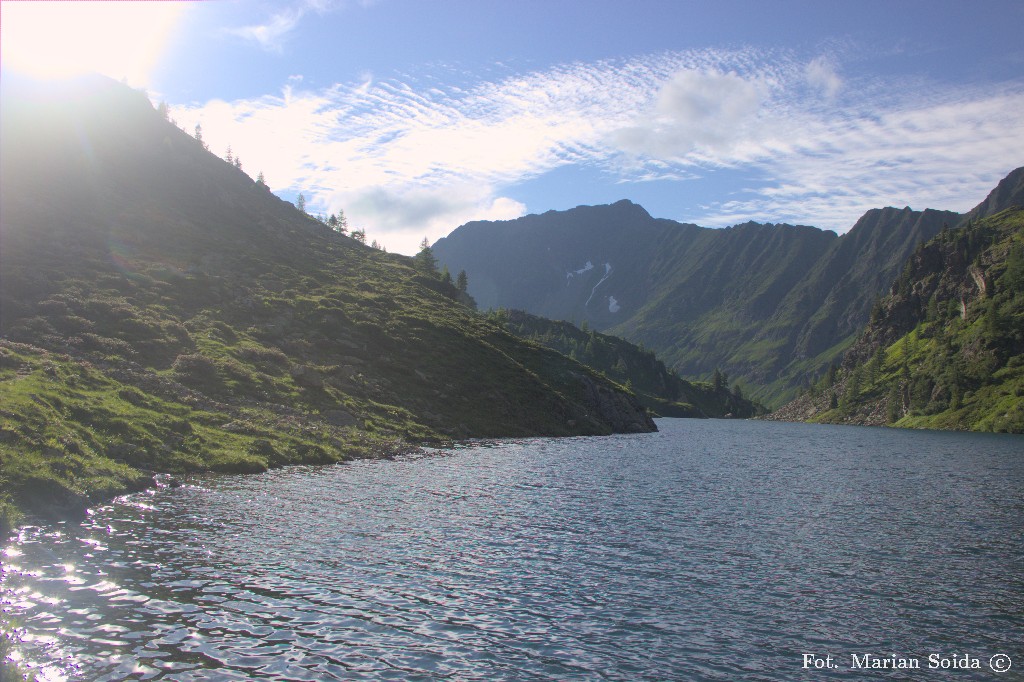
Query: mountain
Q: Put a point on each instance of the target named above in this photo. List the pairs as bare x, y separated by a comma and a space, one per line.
658, 389
772, 305
161, 311
944, 349
1007, 194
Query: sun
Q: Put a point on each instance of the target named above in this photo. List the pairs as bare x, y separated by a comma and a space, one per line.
122, 40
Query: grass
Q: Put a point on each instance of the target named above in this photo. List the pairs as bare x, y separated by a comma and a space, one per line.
71, 435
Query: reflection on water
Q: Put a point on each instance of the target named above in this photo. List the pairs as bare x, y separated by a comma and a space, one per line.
711, 550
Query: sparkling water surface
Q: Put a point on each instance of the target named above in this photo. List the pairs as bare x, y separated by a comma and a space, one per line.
712, 550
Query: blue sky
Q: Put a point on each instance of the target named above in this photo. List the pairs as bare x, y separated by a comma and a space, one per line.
414, 116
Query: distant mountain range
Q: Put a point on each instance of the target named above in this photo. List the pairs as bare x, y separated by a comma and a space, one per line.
774, 306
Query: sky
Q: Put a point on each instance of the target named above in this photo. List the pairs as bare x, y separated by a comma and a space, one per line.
414, 117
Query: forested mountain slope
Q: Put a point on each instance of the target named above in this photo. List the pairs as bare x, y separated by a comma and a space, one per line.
639, 369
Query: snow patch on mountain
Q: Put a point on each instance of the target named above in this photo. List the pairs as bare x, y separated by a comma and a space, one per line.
586, 268
607, 272
613, 305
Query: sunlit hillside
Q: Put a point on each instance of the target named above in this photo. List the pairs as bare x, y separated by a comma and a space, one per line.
162, 311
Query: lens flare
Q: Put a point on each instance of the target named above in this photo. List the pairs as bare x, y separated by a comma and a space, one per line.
64, 39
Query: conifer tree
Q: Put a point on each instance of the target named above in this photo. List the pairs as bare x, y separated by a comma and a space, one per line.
462, 281
876, 310
737, 390
875, 366
338, 223
425, 260
199, 136
894, 407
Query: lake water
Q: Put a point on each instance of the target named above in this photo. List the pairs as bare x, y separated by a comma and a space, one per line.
713, 550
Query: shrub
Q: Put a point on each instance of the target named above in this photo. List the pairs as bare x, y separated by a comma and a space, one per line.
195, 369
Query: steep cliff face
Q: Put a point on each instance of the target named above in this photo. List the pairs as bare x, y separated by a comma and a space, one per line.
945, 348
858, 268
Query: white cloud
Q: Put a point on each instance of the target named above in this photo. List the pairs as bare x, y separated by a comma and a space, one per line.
821, 74
405, 160
944, 154
695, 110
401, 218
271, 34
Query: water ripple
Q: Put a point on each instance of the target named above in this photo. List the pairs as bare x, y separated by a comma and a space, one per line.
708, 551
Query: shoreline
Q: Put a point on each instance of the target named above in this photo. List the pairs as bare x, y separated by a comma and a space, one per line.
72, 505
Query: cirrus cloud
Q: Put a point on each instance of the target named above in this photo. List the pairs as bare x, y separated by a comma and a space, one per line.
418, 155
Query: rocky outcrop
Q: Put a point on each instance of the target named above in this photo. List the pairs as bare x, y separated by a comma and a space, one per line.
943, 349
621, 411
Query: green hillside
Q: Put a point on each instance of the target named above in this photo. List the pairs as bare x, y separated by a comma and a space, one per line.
658, 389
161, 311
945, 349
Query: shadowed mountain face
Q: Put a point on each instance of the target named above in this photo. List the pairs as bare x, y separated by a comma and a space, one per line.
160, 310
770, 304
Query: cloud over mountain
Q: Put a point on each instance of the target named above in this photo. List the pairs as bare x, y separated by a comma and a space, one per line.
417, 154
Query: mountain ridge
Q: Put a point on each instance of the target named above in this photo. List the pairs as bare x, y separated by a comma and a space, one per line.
772, 304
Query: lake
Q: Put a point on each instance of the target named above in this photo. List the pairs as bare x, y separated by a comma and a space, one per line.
712, 550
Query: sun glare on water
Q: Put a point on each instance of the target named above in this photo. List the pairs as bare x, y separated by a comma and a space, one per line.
122, 40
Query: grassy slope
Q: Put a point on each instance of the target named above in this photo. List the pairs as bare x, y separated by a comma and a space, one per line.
946, 349
163, 312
